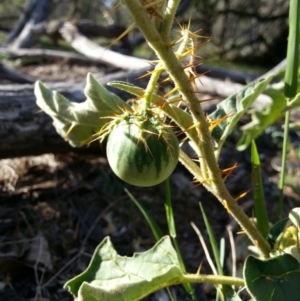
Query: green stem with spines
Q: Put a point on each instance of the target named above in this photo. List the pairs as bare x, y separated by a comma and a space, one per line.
169, 16
151, 86
213, 179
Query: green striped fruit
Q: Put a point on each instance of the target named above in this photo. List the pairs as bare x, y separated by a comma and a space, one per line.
142, 155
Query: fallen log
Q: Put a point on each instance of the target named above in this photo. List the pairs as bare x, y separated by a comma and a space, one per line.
84, 27
43, 54
92, 50
49, 54
36, 12
25, 130
12, 75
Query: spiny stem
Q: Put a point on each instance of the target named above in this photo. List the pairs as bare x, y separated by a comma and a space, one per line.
151, 86
191, 166
229, 203
207, 158
175, 69
167, 23
236, 211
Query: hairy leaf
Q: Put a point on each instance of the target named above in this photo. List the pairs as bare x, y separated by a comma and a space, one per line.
268, 115
263, 118
232, 109
111, 277
77, 123
294, 216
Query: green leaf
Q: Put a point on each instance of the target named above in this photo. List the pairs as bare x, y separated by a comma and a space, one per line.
156, 231
101, 99
233, 296
212, 241
77, 123
169, 211
268, 115
276, 279
110, 277
276, 231
294, 217
294, 103
258, 193
172, 232
127, 87
263, 118
232, 109
226, 290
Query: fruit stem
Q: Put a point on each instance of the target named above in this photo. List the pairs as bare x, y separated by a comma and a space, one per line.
155, 74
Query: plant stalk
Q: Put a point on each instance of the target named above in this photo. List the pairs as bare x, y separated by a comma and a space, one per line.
169, 16
290, 86
213, 178
283, 164
213, 279
152, 85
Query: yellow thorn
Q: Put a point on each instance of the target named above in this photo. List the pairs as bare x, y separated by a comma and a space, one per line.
199, 268
236, 199
215, 123
150, 72
170, 92
228, 171
176, 100
241, 195
112, 9
70, 128
191, 127
131, 27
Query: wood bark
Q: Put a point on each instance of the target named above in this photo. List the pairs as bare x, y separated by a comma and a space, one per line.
48, 54
44, 54
38, 12
23, 19
87, 28
15, 76
25, 130
90, 49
